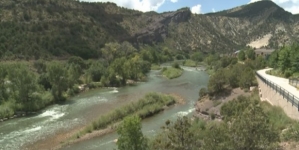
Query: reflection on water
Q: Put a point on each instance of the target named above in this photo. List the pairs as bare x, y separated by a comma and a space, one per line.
87, 106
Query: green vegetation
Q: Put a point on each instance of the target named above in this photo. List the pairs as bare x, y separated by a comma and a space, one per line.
247, 124
189, 63
53, 29
148, 106
131, 137
285, 61
176, 135
241, 55
172, 72
155, 67
226, 73
31, 86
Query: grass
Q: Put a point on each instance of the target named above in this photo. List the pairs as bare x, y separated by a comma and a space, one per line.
172, 72
275, 72
216, 103
287, 127
155, 67
150, 105
277, 116
280, 121
189, 63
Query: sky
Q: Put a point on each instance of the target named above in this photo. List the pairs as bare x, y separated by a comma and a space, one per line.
196, 6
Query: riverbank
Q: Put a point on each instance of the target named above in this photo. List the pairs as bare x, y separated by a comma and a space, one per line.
207, 107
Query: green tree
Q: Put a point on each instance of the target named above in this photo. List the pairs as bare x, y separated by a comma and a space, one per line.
217, 137
249, 126
24, 86
117, 67
74, 73
77, 61
250, 54
217, 82
111, 51
198, 57
58, 78
3, 75
294, 58
252, 130
241, 55
273, 59
96, 71
246, 78
130, 135
176, 136
284, 59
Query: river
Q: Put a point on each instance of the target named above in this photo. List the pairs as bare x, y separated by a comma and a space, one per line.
85, 107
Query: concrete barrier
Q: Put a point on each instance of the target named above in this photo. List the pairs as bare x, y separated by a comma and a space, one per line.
267, 93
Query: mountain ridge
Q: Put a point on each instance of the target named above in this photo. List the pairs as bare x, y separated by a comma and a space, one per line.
47, 28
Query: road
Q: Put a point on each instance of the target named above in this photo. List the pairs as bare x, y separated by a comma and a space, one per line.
283, 82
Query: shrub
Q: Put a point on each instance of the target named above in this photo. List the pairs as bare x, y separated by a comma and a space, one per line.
151, 104
176, 65
203, 92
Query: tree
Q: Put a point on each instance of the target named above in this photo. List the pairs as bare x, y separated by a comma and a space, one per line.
176, 136
273, 59
294, 58
216, 82
198, 57
117, 67
246, 78
284, 59
96, 71
249, 126
110, 51
3, 75
241, 55
217, 137
24, 86
74, 73
58, 78
252, 130
250, 54
130, 135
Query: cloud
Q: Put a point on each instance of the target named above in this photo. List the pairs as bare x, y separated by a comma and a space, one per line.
196, 9
293, 9
174, 1
141, 5
213, 10
289, 5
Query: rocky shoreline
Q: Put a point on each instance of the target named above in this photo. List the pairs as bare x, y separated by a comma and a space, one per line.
209, 108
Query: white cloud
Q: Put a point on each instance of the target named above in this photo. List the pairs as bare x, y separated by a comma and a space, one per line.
293, 9
174, 1
196, 9
289, 5
213, 9
141, 5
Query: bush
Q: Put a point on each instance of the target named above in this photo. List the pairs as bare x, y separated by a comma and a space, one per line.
151, 104
172, 73
155, 67
176, 65
179, 57
203, 92
190, 63
213, 116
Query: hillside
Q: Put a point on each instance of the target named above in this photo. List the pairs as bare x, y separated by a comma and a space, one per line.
61, 28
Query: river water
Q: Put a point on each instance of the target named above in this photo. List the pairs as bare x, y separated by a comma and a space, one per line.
87, 106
